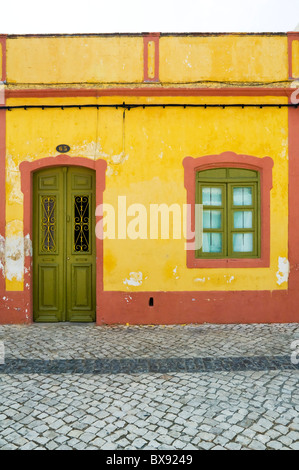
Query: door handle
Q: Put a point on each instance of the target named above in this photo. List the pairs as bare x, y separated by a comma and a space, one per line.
68, 258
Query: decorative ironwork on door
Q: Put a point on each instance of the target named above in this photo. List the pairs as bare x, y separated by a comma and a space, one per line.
81, 223
48, 223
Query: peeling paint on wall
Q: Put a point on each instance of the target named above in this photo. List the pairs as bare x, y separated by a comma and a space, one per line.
283, 270
2, 255
14, 258
119, 159
128, 298
94, 150
13, 181
27, 246
114, 161
109, 171
175, 273
284, 153
89, 150
230, 279
135, 279
186, 61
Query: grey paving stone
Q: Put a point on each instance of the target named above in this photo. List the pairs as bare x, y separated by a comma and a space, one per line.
233, 446
29, 446
256, 445
234, 400
295, 446
274, 445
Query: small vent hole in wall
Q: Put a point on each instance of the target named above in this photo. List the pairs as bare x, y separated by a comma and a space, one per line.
151, 301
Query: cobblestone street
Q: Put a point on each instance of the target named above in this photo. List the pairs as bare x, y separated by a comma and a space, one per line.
70, 386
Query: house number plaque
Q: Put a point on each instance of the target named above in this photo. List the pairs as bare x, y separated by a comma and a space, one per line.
62, 148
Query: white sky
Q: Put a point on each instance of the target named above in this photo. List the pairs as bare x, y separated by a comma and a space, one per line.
135, 16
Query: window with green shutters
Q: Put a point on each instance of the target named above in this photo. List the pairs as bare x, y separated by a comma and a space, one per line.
231, 213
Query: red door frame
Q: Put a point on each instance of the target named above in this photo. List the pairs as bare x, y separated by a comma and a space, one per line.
27, 169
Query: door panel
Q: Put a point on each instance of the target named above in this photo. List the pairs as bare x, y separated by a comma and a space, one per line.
64, 244
82, 282
48, 262
48, 287
81, 246
81, 294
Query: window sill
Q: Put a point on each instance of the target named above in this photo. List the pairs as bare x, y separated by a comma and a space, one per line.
193, 262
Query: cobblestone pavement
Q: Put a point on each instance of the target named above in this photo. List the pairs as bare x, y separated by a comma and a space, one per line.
175, 387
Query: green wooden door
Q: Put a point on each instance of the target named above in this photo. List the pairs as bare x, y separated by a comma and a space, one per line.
64, 245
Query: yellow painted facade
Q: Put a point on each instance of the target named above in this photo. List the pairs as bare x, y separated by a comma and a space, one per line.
223, 58
63, 60
295, 58
145, 147
187, 59
144, 153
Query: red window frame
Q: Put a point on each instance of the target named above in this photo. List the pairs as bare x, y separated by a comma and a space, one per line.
230, 159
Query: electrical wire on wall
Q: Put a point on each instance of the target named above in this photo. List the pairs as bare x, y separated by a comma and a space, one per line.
130, 106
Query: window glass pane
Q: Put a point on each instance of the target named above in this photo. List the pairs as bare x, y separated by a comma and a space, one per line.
212, 219
212, 196
243, 219
212, 243
242, 242
242, 196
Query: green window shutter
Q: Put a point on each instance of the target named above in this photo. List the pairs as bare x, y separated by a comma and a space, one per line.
231, 213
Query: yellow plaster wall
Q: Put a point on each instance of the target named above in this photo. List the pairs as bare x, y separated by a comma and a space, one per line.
223, 58
144, 152
295, 59
60, 60
119, 59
